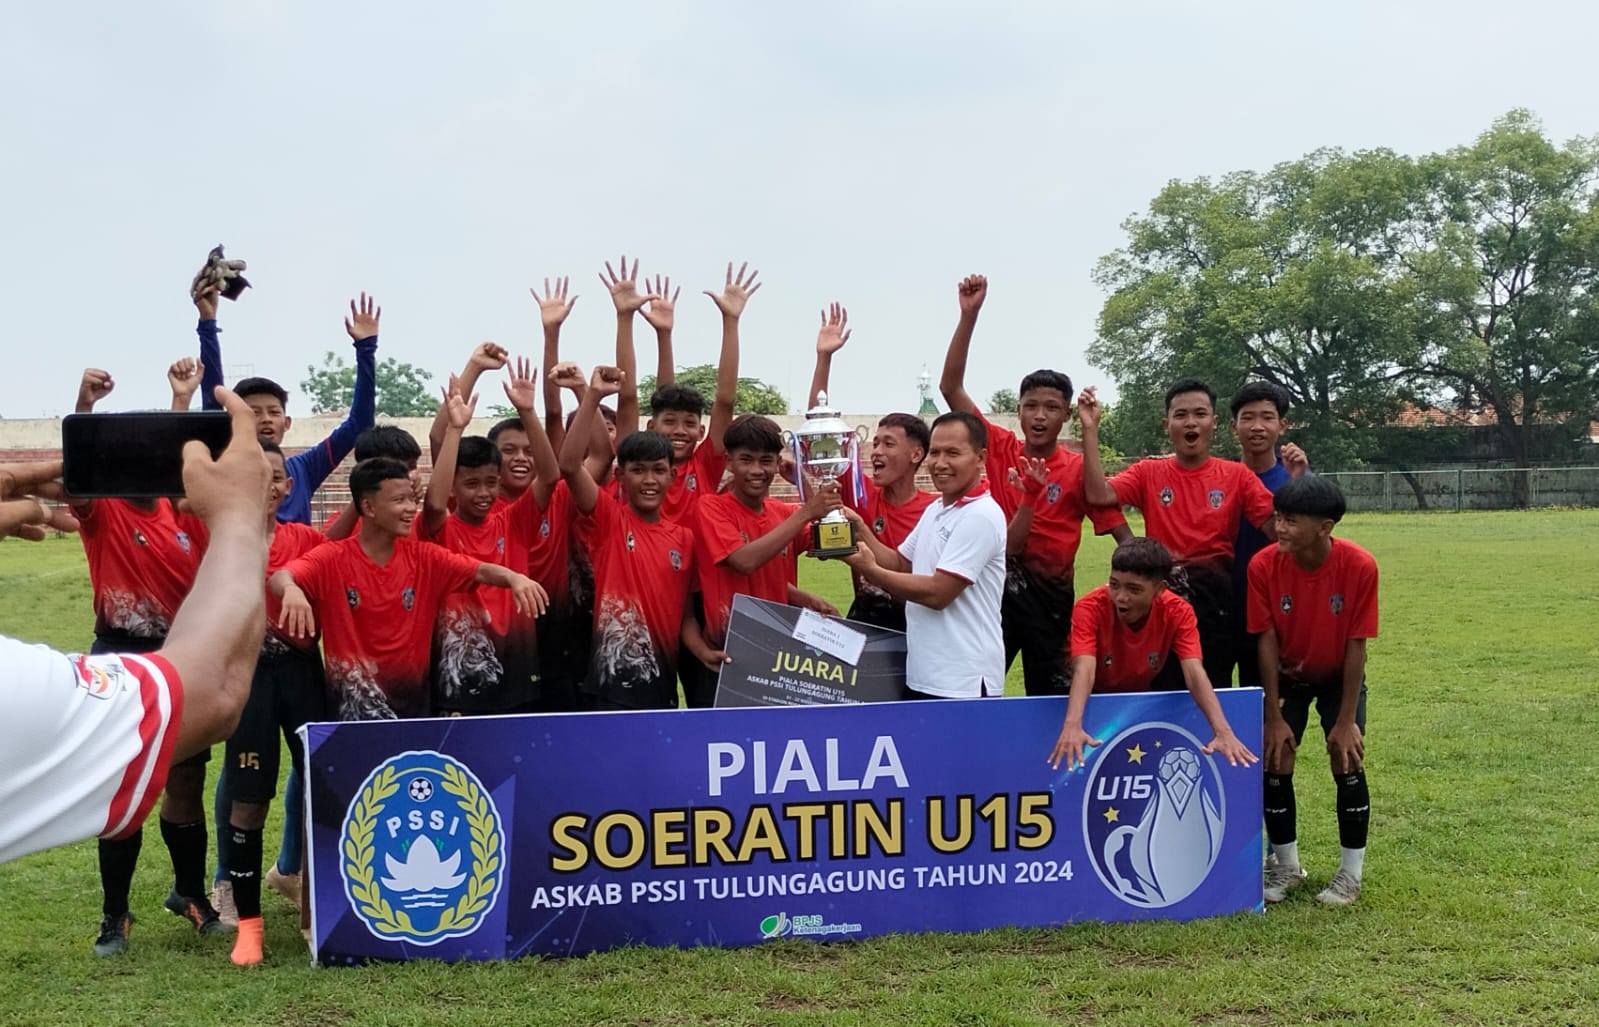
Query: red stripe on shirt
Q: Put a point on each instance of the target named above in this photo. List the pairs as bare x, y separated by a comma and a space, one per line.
146, 775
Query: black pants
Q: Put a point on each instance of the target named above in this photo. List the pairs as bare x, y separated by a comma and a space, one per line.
286, 693
1209, 590
1036, 616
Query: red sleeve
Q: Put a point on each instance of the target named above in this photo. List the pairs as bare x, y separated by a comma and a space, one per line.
1086, 618
1105, 519
1129, 486
709, 466
522, 520
1258, 604
311, 571
448, 572
1257, 497
719, 532
1363, 617
595, 529
1182, 630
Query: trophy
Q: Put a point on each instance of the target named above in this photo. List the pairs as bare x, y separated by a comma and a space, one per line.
824, 448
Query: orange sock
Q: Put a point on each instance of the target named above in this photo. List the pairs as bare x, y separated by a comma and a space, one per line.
247, 943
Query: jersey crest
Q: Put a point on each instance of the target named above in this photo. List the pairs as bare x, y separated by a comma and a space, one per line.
692, 482
408, 599
879, 524
1154, 661
1214, 498
1286, 603
1336, 603
1165, 496
352, 597
138, 536
544, 528
183, 541
1052, 492
676, 559
630, 540
423, 850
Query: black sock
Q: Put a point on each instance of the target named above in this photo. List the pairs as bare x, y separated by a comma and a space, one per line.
186, 845
1282, 826
117, 860
1354, 809
244, 870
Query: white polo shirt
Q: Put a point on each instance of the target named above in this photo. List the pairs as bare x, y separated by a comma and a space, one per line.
84, 746
959, 651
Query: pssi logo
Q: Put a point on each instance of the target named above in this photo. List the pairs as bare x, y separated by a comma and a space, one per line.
775, 926
423, 850
1155, 815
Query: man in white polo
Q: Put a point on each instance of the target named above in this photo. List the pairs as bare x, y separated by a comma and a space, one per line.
950, 571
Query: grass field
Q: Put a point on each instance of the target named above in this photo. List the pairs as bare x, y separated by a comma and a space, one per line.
1481, 903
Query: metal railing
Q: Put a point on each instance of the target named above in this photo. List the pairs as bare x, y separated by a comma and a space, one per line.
1493, 488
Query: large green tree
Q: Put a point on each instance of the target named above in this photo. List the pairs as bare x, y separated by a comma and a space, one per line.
754, 395
402, 389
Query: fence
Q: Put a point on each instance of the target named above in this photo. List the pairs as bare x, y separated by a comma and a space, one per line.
1494, 488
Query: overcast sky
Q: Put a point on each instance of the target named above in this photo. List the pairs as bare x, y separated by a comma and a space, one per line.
446, 156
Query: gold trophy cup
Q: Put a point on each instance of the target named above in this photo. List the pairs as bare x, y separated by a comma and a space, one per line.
824, 449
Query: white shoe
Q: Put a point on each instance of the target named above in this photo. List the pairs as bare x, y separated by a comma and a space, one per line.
222, 902
1343, 889
286, 885
1280, 880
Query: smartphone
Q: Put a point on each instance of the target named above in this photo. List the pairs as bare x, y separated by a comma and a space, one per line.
135, 455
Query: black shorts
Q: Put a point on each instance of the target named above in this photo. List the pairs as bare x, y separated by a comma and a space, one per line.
1297, 698
286, 693
1209, 590
1036, 617
879, 608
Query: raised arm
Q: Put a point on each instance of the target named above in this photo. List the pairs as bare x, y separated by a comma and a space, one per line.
731, 301
1096, 489
605, 381
311, 467
973, 290
205, 303
184, 377
488, 356
554, 306
829, 340
659, 313
458, 414
628, 301
546, 468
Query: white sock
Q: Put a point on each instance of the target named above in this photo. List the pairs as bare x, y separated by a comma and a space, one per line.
1287, 854
1350, 861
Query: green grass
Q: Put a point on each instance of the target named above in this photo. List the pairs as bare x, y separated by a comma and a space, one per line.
1481, 902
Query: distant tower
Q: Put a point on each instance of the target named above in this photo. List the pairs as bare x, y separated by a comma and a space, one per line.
924, 385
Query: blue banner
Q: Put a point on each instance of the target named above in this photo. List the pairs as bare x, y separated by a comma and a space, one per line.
557, 835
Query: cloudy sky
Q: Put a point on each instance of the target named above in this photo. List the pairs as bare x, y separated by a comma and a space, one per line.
446, 156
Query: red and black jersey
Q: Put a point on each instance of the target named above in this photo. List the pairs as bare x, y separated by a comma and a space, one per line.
643, 573
290, 541
1194, 512
1314, 613
1058, 511
377, 621
1126, 660
141, 565
725, 525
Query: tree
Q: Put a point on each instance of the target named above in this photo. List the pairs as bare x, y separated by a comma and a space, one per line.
402, 389
754, 395
1003, 401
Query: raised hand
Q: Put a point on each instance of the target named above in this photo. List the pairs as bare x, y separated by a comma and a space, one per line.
1031, 475
206, 303
520, 389
554, 305
1295, 462
663, 301
94, 386
606, 380
623, 288
489, 356
736, 292
1088, 409
835, 330
363, 320
568, 375
184, 377
458, 409
973, 290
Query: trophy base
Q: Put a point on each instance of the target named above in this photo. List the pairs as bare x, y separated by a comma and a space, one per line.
832, 539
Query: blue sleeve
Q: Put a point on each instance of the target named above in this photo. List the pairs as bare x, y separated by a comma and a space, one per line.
315, 464
210, 363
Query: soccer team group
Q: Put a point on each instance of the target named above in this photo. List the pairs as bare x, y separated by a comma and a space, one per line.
579, 563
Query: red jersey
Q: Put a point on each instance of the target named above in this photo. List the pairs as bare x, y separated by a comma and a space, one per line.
1314, 613
485, 651
141, 565
290, 541
377, 621
643, 573
1194, 513
695, 478
725, 525
1058, 511
547, 563
1126, 660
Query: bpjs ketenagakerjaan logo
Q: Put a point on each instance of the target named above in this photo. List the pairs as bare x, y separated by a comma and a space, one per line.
422, 850
1154, 815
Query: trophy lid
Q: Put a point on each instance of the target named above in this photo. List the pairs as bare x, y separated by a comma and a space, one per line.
822, 419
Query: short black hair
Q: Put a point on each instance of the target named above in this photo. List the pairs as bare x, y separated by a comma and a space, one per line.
369, 476
914, 427
605, 412
976, 430
388, 440
268, 446
1190, 385
261, 387
1044, 378
753, 433
1312, 496
509, 424
1142, 556
644, 447
1254, 392
677, 397
476, 451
